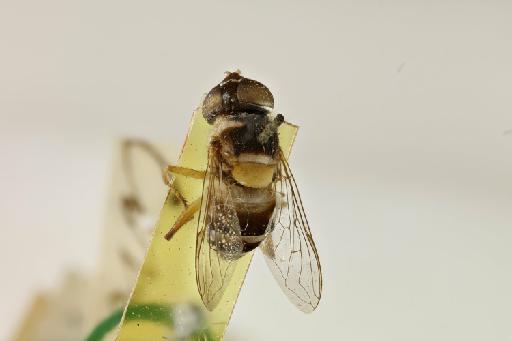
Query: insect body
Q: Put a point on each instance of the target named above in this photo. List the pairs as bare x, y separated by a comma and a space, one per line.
250, 198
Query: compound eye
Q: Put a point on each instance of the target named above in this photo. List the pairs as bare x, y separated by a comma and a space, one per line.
212, 104
254, 94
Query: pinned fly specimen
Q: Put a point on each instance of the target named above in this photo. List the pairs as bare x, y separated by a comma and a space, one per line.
250, 198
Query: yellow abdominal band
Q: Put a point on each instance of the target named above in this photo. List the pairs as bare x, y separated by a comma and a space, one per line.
254, 175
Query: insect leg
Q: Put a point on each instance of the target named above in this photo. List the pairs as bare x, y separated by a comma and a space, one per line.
184, 217
188, 172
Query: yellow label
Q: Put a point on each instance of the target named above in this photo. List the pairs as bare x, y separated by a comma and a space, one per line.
165, 303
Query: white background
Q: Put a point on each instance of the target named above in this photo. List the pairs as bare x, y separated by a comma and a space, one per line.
404, 156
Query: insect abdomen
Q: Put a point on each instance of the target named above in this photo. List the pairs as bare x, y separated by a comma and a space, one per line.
254, 208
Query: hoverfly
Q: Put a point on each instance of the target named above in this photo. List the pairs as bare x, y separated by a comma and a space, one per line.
250, 198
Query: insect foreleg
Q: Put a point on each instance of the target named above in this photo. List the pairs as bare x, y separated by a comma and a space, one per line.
188, 172
185, 216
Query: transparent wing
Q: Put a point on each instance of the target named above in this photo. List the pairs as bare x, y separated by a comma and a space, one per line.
219, 243
290, 251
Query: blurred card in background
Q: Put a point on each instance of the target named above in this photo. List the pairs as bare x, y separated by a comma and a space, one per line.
136, 195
